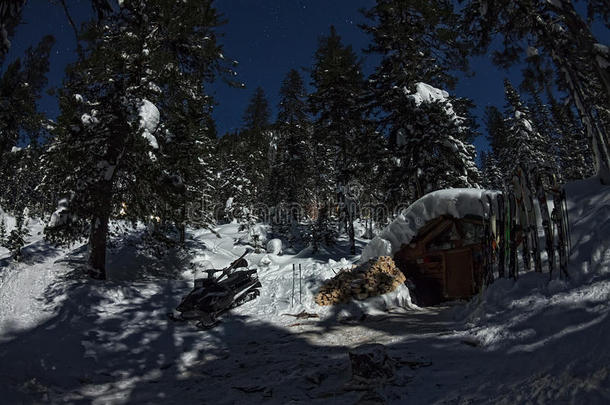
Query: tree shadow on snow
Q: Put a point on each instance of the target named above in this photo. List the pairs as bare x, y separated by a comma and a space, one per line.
110, 342
34, 253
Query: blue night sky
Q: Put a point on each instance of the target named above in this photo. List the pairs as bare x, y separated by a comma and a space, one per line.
267, 37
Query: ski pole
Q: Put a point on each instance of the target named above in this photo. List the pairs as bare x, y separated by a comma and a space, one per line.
292, 299
300, 288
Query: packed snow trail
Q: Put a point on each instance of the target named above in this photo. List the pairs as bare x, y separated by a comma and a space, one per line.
21, 287
22, 284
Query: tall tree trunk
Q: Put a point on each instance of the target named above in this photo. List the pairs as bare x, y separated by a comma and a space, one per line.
582, 99
98, 236
350, 231
581, 31
101, 195
595, 133
182, 223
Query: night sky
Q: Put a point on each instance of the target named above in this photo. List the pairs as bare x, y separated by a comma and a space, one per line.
267, 37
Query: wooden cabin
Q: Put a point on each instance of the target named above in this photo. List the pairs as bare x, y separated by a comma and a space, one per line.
444, 260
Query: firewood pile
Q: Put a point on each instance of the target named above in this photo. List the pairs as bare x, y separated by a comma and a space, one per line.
375, 277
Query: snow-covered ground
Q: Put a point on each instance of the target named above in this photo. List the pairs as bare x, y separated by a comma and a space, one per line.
68, 339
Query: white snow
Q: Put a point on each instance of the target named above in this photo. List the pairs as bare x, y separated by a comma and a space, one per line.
61, 214
427, 94
229, 203
149, 121
531, 52
458, 203
89, 119
274, 246
68, 339
154, 87
601, 48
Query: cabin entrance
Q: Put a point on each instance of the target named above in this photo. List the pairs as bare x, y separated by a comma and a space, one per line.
444, 261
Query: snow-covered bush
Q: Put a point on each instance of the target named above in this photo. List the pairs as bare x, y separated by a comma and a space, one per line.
274, 246
16, 237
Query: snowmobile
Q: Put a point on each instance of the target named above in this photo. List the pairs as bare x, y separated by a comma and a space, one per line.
213, 296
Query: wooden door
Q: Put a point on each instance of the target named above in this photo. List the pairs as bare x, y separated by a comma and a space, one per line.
459, 279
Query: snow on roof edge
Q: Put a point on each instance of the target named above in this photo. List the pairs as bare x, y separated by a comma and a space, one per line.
457, 202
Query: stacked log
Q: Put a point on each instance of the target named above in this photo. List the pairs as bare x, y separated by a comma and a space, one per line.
374, 277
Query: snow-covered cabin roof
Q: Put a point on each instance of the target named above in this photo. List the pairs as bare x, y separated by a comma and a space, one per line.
456, 202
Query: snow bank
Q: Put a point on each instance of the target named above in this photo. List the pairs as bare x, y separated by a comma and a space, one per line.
276, 276
458, 203
9, 223
526, 314
589, 216
277, 299
534, 311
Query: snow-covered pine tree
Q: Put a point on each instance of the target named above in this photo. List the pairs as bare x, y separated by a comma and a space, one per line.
20, 175
21, 86
543, 124
341, 130
495, 125
245, 158
557, 32
524, 146
252, 148
323, 228
491, 175
257, 115
16, 237
433, 147
573, 148
291, 181
109, 145
22, 126
188, 149
10, 16
372, 181
202, 182
235, 192
418, 43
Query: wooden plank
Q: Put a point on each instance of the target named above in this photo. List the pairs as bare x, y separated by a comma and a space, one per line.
459, 277
442, 227
444, 266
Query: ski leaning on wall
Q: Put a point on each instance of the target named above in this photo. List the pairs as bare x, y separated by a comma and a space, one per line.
512, 223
